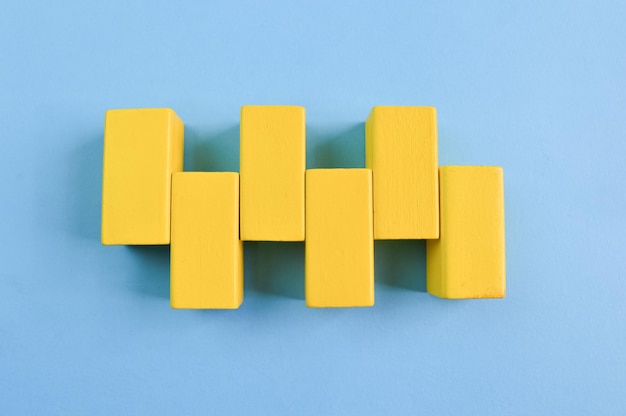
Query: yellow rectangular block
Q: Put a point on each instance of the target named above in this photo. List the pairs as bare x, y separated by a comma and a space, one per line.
468, 259
339, 249
142, 148
401, 150
272, 164
206, 253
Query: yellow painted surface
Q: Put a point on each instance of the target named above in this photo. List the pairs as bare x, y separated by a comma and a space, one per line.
272, 164
468, 260
339, 249
401, 150
142, 148
206, 253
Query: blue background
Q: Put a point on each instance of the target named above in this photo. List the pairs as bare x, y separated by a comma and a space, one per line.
538, 87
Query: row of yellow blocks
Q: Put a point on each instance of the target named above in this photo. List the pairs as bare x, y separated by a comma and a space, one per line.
402, 194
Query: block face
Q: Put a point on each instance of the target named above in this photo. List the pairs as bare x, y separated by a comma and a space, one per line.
272, 164
339, 249
142, 148
401, 150
206, 253
468, 260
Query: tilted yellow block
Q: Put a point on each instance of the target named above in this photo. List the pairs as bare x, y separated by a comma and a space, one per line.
468, 260
339, 249
272, 164
142, 147
206, 253
401, 150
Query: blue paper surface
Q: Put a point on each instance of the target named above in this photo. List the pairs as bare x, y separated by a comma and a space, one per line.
536, 87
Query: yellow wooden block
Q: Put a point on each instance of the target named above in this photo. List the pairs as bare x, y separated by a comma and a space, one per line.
339, 249
468, 260
401, 150
272, 164
142, 147
206, 253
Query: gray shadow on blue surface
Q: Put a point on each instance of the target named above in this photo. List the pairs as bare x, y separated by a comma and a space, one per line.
209, 151
153, 270
401, 263
85, 194
275, 268
343, 150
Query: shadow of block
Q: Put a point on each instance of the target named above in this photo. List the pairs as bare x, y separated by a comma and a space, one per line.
345, 150
275, 268
153, 270
207, 151
401, 263
85, 182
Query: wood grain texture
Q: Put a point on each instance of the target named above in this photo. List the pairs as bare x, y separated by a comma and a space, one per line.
468, 260
272, 164
142, 148
339, 248
206, 253
401, 150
